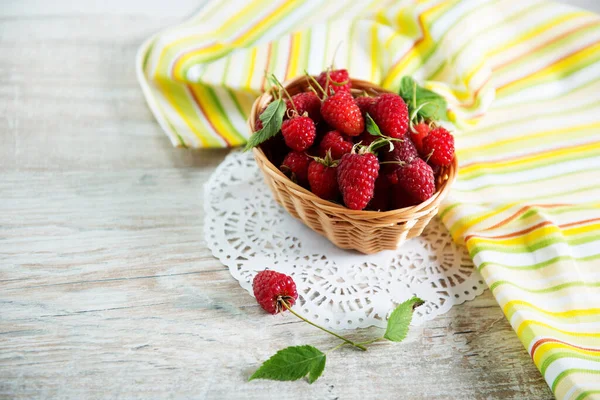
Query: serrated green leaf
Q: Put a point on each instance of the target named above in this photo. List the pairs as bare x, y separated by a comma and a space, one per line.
271, 119
372, 127
397, 326
317, 369
293, 363
429, 104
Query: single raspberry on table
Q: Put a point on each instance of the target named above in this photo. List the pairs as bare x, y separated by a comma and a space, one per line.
418, 133
299, 132
439, 147
295, 166
341, 112
417, 179
339, 80
271, 288
306, 102
322, 178
276, 292
390, 113
357, 174
365, 103
337, 144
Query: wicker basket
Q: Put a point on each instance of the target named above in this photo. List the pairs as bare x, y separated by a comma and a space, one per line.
366, 231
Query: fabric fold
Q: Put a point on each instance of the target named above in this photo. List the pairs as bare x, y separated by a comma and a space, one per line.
200, 78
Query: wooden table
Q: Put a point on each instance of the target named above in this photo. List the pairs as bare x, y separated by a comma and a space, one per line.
107, 288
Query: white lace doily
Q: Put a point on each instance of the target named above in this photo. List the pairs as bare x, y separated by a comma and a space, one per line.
248, 232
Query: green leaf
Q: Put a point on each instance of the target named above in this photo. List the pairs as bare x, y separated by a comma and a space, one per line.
372, 127
317, 369
293, 363
397, 326
272, 119
426, 103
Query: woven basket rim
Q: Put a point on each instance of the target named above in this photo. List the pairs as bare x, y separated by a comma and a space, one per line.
415, 211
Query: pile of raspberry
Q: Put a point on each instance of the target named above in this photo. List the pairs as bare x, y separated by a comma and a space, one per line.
325, 147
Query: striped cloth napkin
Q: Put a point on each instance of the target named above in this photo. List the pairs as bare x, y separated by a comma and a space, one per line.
522, 80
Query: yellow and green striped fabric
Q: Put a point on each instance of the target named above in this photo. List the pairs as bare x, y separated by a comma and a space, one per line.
522, 79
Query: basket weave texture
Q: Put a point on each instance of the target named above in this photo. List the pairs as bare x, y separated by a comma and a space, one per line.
365, 231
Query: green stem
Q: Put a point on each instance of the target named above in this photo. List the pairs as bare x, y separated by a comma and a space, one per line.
314, 81
286, 93
274, 86
371, 341
328, 78
414, 94
336, 347
363, 348
415, 112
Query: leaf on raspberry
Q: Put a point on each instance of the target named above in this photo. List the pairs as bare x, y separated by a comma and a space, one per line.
429, 105
372, 127
293, 363
271, 118
399, 320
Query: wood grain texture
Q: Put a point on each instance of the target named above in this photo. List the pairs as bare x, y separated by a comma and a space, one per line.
107, 289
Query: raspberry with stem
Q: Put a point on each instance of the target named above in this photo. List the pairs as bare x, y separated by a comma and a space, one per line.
276, 292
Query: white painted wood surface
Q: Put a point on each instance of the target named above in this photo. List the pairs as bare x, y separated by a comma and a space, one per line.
107, 289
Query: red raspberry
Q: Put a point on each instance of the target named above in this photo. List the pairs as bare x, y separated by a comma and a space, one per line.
440, 144
323, 179
390, 113
417, 179
365, 103
299, 132
338, 76
271, 288
336, 143
418, 134
306, 102
401, 155
295, 166
341, 112
356, 176
258, 125
404, 151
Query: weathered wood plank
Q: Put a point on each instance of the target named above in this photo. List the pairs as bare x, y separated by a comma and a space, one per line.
108, 289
